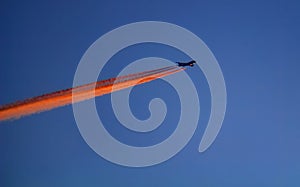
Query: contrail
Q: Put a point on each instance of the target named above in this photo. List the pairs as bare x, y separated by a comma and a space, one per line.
73, 95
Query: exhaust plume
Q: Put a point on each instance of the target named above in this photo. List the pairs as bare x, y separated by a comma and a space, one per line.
73, 95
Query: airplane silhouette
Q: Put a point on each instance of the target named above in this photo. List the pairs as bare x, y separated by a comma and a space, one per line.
183, 64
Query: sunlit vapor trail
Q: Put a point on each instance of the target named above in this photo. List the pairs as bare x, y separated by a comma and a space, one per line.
72, 95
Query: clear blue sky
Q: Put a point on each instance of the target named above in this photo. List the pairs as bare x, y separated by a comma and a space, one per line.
256, 44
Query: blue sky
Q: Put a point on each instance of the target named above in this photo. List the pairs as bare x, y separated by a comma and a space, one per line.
255, 42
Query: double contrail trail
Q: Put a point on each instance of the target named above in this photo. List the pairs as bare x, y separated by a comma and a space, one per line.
72, 95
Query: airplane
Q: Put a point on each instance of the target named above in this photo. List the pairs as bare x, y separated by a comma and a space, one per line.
182, 64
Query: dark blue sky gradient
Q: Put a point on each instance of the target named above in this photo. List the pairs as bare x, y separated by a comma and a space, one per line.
256, 44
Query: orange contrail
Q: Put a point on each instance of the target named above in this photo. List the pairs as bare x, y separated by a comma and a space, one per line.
72, 95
